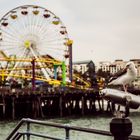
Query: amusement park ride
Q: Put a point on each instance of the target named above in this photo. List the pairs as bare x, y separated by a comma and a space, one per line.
34, 44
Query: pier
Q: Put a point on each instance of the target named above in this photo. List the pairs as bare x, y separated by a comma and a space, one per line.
53, 102
39, 104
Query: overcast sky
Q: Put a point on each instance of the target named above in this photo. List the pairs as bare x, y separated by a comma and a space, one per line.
102, 30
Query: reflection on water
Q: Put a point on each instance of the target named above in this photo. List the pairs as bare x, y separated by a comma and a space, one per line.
100, 122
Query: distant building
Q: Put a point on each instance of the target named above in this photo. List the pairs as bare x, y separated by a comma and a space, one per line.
82, 66
137, 63
104, 65
112, 67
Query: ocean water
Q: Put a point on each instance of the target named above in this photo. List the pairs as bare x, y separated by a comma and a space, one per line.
100, 122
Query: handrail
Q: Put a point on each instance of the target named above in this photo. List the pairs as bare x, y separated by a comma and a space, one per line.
15, 129
40, 135
76, 128
15, 135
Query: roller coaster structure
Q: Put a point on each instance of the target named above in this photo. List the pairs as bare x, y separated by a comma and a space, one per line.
32, 72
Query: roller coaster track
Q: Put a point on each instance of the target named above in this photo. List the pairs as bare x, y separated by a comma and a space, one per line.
51, 61
22, 68
29, 76
77, 76
49, 81
5, 72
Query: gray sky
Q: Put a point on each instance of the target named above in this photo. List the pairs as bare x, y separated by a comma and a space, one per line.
101, 29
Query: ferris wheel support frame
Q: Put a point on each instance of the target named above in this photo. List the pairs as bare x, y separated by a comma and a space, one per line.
16, 64
33, 74
70, 63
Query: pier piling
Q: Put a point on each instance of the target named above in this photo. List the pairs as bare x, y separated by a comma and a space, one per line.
47, 104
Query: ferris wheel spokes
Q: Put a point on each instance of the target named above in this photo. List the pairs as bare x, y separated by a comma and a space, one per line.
45, 72
34, 32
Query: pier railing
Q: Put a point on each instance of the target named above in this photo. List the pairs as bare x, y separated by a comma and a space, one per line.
26, 134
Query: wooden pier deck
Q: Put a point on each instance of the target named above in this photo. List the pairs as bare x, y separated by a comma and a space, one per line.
24, 103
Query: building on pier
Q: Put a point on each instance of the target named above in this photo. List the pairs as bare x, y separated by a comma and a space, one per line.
82, 66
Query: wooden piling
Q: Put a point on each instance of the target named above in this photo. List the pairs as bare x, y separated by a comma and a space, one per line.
61, 106
13, 107
34, 105
83, 106
2, 103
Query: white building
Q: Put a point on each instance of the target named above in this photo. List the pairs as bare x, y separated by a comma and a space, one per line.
82, 66
112, 67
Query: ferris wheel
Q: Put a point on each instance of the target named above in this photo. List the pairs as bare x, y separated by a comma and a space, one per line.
34, 32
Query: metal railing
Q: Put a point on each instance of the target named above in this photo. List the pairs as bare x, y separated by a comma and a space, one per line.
26, 134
